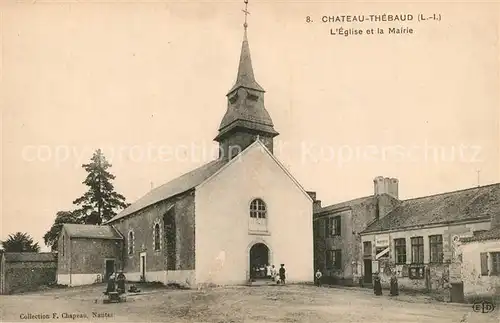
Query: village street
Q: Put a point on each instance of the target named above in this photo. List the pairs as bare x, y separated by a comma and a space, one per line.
236, 304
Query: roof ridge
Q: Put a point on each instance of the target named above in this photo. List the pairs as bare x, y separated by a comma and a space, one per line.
344, 202
451, 192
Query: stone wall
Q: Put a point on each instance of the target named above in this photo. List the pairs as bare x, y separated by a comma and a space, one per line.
355, 216
88, 255
476, 284
142, 224
25, 276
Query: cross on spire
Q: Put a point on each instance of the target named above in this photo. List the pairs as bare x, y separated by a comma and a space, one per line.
245, 25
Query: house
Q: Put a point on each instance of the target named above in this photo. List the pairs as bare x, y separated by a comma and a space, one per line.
417, 240
24, 271
88, 253
337, 228
480, 262
213, 224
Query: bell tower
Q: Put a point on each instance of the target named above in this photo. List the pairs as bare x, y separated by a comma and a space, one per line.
246, 118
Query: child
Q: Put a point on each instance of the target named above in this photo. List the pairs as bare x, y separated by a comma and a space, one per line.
318, 278
282, 274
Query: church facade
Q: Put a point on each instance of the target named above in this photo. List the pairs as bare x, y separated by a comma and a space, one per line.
211, 225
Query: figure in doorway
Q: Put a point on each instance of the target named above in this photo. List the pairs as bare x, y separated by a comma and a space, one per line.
282, 273
111, 287
318, 276
253, 273
262, 271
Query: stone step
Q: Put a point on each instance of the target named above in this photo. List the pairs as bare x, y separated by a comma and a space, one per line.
262, 282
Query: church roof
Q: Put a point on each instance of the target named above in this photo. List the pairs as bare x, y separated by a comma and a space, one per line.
91, 231
469, 204
176, 186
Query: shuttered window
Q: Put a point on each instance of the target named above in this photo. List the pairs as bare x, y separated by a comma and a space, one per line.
332, 226
484, 263
495, 263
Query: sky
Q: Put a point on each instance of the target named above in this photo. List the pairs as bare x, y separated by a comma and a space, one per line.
146, 83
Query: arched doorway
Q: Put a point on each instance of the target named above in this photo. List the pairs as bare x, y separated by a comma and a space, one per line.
259, 258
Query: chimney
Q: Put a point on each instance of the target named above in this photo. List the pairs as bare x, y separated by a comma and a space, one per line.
387, 194
316, 203
386, 185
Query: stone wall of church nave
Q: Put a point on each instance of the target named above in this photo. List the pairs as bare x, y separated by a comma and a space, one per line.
142, 225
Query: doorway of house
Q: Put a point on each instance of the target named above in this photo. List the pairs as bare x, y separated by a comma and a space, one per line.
110, 268
368, 271
142, 266
259, 259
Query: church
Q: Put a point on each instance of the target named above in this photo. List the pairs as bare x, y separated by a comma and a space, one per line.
213, 224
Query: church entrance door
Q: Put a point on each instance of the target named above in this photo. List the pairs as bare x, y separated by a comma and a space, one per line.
259, 259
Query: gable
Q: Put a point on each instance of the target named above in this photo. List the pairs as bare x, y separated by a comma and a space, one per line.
258, 147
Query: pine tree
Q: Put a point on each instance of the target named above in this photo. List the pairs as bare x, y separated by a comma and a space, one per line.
20, 242
101, 202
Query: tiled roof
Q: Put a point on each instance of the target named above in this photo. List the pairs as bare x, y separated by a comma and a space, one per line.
341, 205
493, 234
469, 204
30, 256
91, 231
178, 185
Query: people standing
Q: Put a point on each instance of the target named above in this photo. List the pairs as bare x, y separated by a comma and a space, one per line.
274, 274
253, 273
120, 282
377, 286
268, 271
318, 276
394, 284
111, 287
282, 273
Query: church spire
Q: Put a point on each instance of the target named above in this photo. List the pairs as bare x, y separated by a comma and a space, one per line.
246, 118
245, 77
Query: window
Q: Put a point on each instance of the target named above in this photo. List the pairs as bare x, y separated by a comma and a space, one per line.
131, 243
417, 250
332, 227
495, 263
367, 248
400, 250
157, 237
436, 248
333, 259
416, 272
258, 209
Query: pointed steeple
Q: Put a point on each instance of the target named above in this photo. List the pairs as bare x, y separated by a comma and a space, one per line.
245, 77
246, 118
